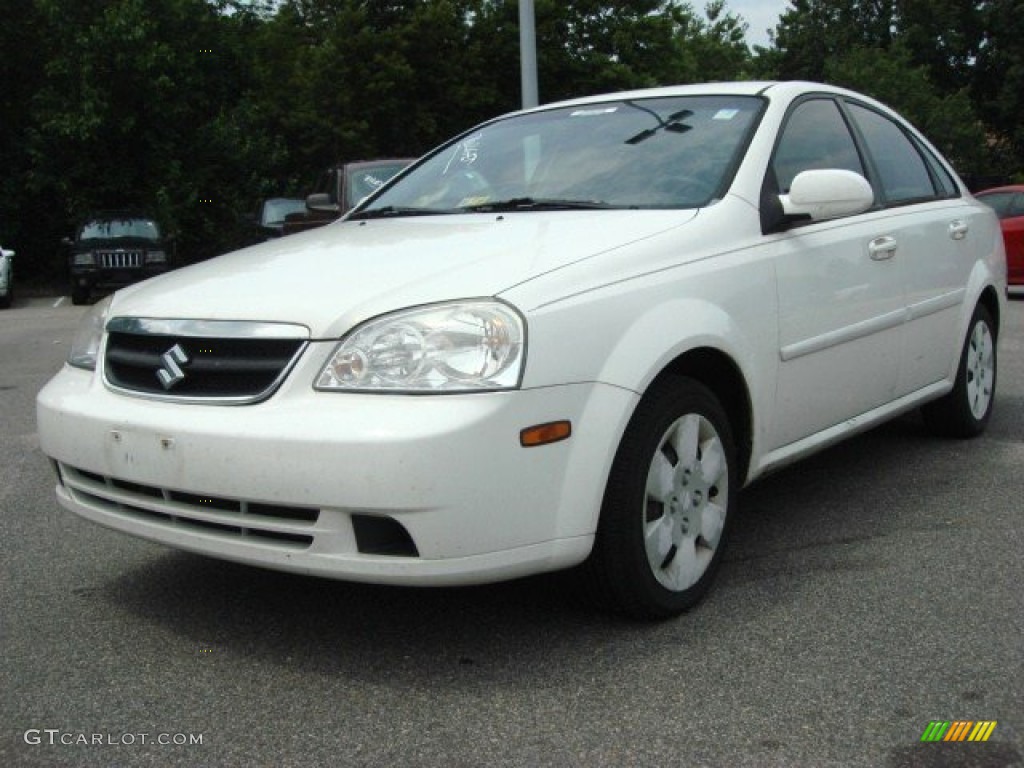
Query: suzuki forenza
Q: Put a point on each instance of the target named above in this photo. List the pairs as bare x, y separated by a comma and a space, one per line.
568, 337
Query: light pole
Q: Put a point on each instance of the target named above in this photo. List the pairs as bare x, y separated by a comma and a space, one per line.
528, 53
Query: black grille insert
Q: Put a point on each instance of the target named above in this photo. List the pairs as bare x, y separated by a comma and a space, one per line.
184, 367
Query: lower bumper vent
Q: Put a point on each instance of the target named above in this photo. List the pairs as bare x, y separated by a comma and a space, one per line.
280, 526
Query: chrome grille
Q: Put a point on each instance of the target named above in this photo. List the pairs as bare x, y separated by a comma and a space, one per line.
205, 361
282, 527
120, 259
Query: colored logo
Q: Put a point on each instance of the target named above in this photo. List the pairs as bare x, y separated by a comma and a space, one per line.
958, 730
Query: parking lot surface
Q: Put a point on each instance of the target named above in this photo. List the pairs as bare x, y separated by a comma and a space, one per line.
868, 591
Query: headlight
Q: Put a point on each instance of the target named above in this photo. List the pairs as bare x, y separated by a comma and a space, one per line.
86, 346
156, 257
85, 259
465, 346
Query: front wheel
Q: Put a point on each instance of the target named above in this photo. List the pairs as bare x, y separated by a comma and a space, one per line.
668, 505
965, 411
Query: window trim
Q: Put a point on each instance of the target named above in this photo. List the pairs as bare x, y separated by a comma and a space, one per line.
928, 158
772, 219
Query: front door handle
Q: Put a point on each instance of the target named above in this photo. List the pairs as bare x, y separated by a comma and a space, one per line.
958, 229
882, 248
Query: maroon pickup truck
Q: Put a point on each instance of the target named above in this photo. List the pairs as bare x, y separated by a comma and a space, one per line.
341, 187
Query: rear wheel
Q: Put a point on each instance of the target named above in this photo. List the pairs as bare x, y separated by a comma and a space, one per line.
965, 411
79, 295
668, 505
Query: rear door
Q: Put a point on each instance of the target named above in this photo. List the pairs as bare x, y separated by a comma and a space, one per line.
935, 243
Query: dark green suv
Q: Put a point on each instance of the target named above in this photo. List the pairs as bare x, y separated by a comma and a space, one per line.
114, 249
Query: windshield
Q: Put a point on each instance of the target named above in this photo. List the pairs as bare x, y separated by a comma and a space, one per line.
674, 152
108, 229
364, 181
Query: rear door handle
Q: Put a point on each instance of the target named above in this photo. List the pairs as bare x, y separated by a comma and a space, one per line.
958, 229
882, 248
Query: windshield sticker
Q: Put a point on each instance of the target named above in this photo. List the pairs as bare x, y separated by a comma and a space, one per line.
593, 112
470, 202
467, 152
725, 114
372, 181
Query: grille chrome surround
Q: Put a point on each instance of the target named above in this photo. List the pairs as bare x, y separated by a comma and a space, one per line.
223, 362
279, 527
120, 259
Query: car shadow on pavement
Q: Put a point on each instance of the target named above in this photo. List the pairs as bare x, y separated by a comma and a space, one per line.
536, 631
383, 635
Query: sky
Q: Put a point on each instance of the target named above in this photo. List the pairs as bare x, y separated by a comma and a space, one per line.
761, 15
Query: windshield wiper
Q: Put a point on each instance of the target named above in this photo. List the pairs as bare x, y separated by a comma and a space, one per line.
673, 124
538, 204
395, 211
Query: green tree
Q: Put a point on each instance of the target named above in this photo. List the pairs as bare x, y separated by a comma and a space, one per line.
21, 76
891, 77
141, 108
589, 46
917, 56
344, 79
998, 82
811, 33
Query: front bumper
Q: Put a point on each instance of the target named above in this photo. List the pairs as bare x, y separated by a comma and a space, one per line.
98, 278
289, 483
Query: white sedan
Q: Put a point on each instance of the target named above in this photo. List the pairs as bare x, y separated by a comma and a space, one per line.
567, 337
6, 277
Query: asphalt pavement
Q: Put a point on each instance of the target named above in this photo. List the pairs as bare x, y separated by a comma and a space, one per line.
868, 591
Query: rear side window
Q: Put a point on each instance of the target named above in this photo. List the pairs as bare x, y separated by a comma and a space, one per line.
902, 171
1000, 202
815, 137
1017, 206
947, 187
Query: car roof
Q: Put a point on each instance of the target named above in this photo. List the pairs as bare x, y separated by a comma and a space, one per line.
736, 88
1005, 188
117, 214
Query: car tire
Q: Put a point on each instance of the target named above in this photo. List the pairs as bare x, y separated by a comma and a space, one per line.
7, 299
79, 296
965, 411
668, 505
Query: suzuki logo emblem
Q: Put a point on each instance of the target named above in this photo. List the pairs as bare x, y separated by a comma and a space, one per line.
171, 372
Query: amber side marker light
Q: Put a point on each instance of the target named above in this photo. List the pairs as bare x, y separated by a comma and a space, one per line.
543, 434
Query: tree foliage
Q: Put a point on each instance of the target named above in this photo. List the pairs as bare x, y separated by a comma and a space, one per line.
954, 67
197, 108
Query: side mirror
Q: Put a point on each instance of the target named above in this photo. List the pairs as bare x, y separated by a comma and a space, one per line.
321, 202
7, 253
66, 241
827, 194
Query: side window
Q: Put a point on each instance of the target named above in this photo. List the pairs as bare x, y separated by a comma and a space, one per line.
999, 202
947, 187
327, 183
1017, 209
815, 137
903, 172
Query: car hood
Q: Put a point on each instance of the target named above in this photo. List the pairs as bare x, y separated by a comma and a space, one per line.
332, 278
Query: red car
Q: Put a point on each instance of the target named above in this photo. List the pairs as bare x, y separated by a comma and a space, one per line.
1008, 203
